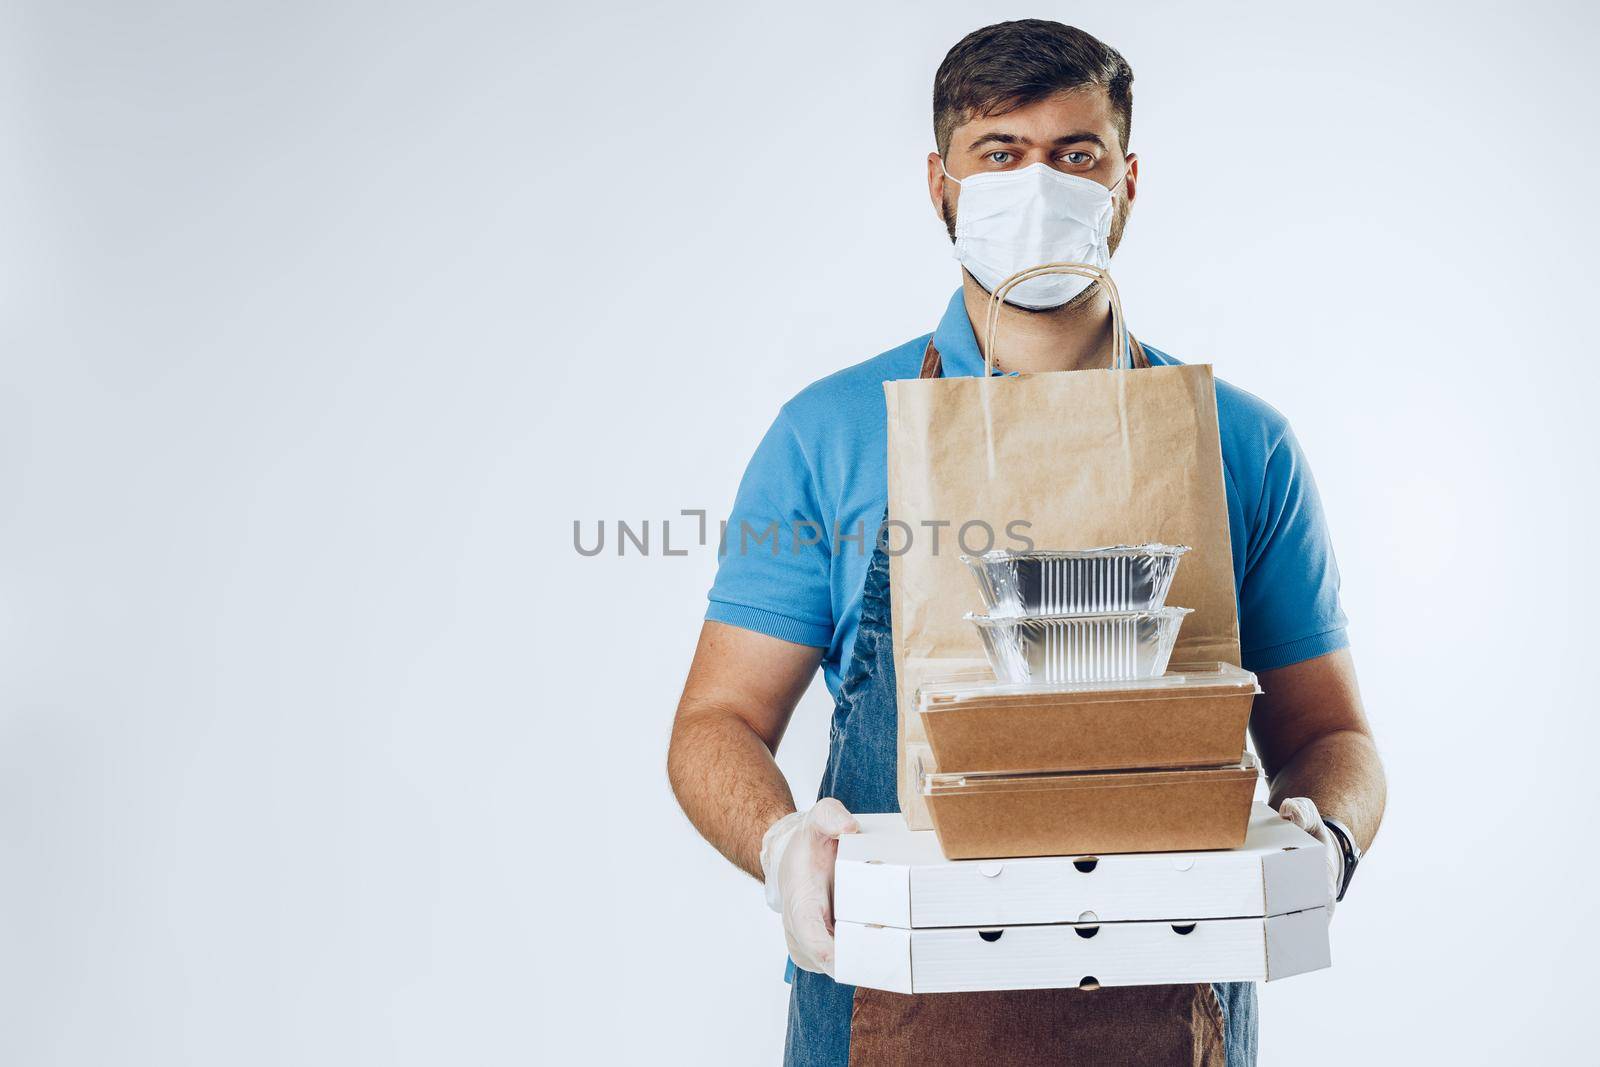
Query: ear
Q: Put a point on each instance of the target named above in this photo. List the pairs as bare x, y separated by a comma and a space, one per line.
1131, 182
936, 184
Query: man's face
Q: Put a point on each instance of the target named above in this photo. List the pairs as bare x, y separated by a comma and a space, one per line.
1073, 131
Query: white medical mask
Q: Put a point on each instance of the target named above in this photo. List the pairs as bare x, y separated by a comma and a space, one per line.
1010, 220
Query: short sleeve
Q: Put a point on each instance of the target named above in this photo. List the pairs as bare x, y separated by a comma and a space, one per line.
1289, 599
773, 571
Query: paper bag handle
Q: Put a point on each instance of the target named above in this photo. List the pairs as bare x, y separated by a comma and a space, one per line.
1119, 332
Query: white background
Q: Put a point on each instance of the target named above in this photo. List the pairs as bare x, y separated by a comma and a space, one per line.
323, 322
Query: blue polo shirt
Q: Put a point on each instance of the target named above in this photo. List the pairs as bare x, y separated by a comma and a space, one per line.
804, 523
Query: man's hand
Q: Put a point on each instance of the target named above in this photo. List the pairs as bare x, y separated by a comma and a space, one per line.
797, 855
1302, 811
1312, 736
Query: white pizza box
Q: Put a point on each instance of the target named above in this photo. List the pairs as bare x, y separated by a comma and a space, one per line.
887, 875
1086, 956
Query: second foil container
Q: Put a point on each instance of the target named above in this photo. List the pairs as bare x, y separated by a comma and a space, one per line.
1080, 648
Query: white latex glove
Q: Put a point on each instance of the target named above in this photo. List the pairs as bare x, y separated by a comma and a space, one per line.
797, 854
1302, 811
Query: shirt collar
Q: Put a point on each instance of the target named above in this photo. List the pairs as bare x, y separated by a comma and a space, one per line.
958, 344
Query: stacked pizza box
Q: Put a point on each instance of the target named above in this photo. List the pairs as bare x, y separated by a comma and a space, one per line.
1091, 803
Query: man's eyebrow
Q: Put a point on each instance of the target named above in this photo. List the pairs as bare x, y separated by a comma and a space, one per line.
1079, 136
998, 138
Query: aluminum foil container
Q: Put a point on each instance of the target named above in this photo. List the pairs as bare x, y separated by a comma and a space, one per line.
1080, 648
1087, 581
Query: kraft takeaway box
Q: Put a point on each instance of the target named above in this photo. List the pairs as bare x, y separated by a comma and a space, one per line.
1193, 716
909, 920
1078, 812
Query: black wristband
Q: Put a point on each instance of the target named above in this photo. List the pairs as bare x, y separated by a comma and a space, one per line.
1351, 851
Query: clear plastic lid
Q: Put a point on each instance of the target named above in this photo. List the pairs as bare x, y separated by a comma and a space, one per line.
932, 783
1037, 622
973, 687
1151, 549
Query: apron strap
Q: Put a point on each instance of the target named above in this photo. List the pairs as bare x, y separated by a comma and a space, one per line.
1141, 358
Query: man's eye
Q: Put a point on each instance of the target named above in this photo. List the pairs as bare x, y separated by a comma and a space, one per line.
1078, 159
1001, 158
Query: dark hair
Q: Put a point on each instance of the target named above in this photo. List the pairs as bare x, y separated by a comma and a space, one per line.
1011, 64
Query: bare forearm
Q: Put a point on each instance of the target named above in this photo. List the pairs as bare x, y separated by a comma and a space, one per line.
1343, 776
725, 778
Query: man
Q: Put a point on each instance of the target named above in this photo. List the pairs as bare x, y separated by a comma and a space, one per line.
1032, 124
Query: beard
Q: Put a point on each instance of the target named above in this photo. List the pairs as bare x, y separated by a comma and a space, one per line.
1119, 221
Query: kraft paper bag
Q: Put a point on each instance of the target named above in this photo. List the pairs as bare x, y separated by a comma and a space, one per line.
1086, 459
